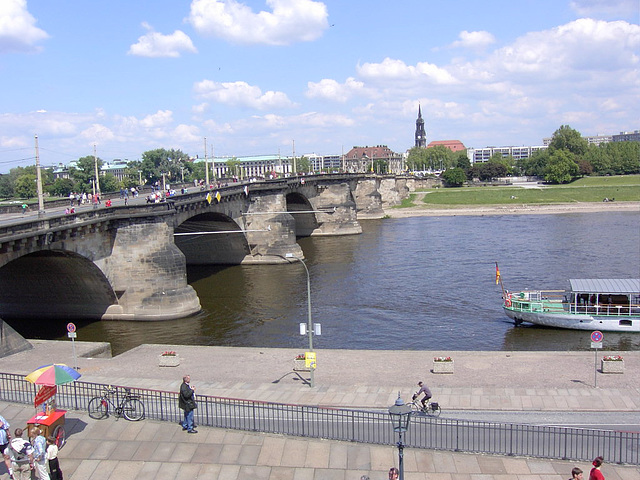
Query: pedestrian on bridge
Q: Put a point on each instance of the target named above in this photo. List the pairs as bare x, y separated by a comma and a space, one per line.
596, 474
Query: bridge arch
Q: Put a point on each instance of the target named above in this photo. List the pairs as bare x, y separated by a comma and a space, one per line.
303, 213
203, 241
54, 285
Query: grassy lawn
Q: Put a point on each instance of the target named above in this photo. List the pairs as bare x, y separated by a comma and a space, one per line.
590, 189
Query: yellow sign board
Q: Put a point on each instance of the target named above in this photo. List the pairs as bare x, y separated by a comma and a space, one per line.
310, 359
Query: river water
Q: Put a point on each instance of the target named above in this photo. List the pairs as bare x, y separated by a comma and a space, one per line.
423, 283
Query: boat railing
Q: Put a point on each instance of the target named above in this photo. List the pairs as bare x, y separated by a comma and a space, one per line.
557, 301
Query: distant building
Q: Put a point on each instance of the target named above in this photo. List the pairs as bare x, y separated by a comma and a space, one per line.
627, 137
324, 163
361, 159
421, 135
481, 155
591, 140
453, 145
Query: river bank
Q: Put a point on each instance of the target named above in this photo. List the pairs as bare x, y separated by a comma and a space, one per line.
424, 210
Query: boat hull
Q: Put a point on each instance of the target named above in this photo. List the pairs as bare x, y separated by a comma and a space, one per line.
576, 321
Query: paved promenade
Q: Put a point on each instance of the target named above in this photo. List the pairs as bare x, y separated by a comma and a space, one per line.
538, 381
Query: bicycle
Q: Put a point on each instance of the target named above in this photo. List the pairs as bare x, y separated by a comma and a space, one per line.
130, 407
432, 409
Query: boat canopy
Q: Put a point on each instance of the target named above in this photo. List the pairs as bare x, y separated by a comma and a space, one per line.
613, 286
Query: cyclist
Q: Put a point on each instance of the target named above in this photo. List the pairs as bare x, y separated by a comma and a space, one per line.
427, 394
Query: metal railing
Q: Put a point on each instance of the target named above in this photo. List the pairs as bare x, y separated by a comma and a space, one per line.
576, 444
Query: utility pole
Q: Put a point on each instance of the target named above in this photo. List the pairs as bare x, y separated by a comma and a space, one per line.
295, 169
39, 180
95, 164
206, 163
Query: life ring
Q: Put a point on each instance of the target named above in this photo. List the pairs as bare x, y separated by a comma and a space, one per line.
507, 302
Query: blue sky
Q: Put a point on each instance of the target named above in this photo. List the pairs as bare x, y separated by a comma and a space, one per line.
254, 76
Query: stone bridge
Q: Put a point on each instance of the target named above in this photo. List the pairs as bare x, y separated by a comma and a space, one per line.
129, 263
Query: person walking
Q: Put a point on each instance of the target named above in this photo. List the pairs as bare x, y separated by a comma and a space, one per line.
595, 473
187, 402
4, 434
52, 458
18, 457
40, 454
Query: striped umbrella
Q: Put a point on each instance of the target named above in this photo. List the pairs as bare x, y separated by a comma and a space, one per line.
54, 374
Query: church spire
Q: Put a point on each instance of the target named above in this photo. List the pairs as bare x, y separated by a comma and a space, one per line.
421, 135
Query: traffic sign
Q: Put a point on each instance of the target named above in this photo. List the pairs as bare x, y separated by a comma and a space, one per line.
597, 336
71, 327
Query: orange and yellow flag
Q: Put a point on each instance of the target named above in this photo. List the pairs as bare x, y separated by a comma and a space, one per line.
497, 274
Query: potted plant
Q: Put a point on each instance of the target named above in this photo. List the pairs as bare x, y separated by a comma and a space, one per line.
169, 359
612, 364
442, 365
300, 363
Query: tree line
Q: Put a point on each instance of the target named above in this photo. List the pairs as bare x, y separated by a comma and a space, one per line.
569, 156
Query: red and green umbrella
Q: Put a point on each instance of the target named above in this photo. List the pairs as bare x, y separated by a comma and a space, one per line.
54, 374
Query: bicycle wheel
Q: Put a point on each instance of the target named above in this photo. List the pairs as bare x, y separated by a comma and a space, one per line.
98, 408
133, 409
434, 410
59, 436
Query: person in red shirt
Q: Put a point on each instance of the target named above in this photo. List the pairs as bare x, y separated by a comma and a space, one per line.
596, 474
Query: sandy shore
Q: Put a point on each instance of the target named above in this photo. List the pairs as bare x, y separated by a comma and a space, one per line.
440, 211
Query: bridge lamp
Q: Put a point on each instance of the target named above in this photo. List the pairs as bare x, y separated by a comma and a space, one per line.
309, 321
400, 414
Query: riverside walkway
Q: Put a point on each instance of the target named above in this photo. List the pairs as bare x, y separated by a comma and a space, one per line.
508, 381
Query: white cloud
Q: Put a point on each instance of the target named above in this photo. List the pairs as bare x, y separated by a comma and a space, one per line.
241, 94
397, 70
161, 118
18, 33
332, 90
154, 44
97, 132
474, 40
582, 45
289, 21
606, 8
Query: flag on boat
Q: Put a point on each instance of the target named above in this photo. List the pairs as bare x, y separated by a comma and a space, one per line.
208, 197
497, 274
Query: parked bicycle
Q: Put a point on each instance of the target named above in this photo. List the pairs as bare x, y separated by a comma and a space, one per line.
432, 409
130, 407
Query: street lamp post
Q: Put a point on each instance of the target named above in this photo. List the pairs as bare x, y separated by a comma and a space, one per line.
309, 322
400, 414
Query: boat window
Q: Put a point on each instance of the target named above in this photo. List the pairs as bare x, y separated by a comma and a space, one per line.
625, 323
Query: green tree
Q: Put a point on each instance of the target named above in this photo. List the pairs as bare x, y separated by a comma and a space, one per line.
454, 177
109, 183
61, 187
625, 157
6, 186
233, 167
303, 164
566, 138
562, 167
417, 159
462, 160
84, 173
439, 158
535, 165
170, 162
380, 166
25, 186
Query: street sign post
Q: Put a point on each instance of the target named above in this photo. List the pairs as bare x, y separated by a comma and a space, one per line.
596, 344
72, 334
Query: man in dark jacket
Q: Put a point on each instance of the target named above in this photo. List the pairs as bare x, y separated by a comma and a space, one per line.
187, 402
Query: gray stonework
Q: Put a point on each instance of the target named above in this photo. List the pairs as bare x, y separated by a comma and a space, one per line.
336, 211
393, 191
149, 274
369, 199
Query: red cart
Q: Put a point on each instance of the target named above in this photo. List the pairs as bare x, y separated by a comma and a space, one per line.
51, 425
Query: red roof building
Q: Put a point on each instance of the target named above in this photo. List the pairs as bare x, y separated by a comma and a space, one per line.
453, 145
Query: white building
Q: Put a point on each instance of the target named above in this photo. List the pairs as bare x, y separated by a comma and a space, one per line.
482, 155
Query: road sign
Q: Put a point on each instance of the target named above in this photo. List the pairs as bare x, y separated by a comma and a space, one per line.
71, 327
597, 336
72, 334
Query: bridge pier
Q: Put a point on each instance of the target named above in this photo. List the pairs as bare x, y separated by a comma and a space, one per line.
148, 274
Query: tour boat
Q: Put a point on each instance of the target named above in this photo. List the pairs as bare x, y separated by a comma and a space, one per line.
611, 305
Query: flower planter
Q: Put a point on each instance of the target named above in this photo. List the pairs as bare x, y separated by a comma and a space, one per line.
612, 366
168, 361
443, 367
300, 366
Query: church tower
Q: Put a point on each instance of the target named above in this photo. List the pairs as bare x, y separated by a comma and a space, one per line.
421, 135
